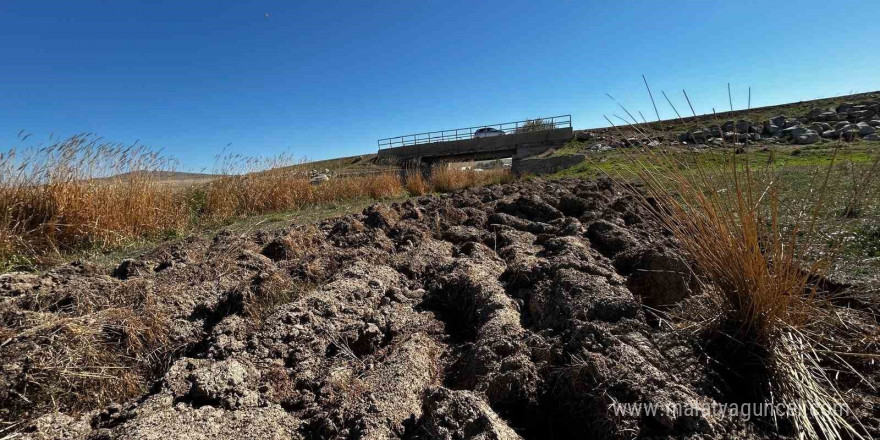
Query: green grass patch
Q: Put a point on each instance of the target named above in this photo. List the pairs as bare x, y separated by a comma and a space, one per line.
621, 161
797, 178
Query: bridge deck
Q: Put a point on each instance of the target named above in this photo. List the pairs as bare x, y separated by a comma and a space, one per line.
478, 148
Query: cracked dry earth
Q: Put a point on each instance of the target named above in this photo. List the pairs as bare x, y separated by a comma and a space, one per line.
505, 312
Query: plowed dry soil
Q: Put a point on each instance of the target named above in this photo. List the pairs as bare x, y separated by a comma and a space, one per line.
527, 310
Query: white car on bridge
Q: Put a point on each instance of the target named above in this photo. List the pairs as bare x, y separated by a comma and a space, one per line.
487, 132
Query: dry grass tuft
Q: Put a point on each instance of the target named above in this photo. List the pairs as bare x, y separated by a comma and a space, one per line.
102, 348
729, 223
381, 186
761, 258
445, 178
284, 188
415, 183
251, 194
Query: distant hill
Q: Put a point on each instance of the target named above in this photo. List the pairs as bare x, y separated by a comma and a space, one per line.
172, 177
343, 166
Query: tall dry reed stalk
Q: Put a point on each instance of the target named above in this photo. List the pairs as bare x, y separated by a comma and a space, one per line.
415, 182
83, 191
273, 191
445, 178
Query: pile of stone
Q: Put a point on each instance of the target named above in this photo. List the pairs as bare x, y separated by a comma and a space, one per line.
600, 142
848, 121
317, 177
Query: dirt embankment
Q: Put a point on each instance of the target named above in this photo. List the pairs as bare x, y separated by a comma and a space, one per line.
505, 312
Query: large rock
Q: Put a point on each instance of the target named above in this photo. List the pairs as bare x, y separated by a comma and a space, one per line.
699, 136
814, 113
795, 131
865, 129
735, 137
828, 116
791, 123
849, 132
861, 115
808, 137
740, 126
778, 121
820, 127
844, 108
319, 178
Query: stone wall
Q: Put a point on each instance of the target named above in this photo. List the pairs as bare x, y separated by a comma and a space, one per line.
546, 165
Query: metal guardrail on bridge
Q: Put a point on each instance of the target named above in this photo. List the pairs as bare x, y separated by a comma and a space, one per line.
528, 125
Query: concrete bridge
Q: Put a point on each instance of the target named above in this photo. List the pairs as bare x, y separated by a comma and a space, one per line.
519, 140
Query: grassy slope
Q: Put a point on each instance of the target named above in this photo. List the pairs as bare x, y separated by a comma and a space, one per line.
173, 177
793, 109
620, 160
343, 166
673, 127
797, 165
351, 165
799, 170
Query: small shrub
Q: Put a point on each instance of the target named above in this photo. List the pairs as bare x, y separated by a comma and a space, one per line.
535, 125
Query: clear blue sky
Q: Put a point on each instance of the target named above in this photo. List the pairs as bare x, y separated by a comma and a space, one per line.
325, 79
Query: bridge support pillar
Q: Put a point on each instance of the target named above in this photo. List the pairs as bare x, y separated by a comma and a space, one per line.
425, 166
515, 165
